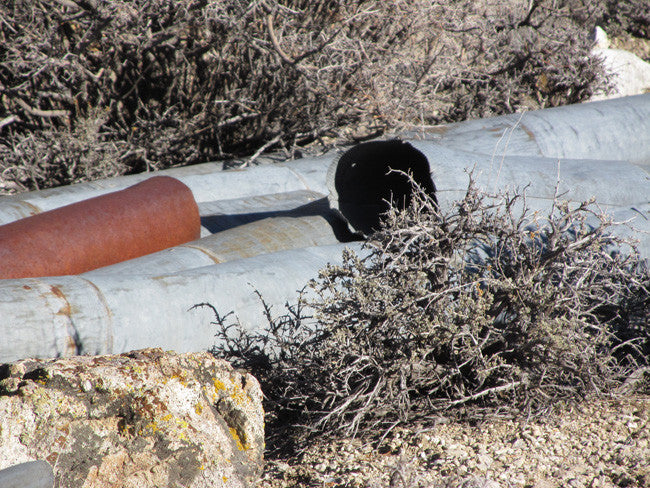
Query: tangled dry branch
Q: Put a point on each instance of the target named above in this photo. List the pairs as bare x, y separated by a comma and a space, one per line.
93, 88
489, 308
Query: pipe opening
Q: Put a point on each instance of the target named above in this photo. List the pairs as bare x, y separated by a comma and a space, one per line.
367, 178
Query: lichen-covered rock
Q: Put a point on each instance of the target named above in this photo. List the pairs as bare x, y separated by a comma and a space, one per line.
143, 419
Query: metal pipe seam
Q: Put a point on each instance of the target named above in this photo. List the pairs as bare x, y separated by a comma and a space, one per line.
15, 210
264, 236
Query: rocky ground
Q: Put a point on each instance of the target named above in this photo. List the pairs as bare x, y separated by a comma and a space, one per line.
602, 443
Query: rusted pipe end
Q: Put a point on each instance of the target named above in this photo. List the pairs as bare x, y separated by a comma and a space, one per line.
153, 215
362, 183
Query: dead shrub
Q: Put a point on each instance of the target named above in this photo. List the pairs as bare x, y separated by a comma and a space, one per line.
189, 81
487, 309
630, 17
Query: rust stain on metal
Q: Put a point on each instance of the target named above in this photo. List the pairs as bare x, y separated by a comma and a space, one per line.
65, 309
33, 209
529, 133
109, 315
71, 346
439, 130
204, 251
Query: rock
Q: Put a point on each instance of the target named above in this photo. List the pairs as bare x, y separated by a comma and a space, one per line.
599, 38
479, 483
142, 419
630, 73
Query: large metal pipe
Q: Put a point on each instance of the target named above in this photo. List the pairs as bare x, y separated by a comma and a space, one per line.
207, 182
153, 215
616, 129
621, 188
117, 312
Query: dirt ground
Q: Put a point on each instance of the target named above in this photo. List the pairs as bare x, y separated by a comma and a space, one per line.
599, 444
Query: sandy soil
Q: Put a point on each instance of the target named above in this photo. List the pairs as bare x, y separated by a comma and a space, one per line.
599, 444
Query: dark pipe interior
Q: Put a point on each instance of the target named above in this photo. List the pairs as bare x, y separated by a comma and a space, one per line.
366, 185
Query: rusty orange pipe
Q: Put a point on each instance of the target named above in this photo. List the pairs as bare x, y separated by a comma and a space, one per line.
153, 215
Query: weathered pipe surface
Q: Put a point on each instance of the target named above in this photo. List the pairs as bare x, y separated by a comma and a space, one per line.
153, 215
612, 130
118, 312
360, 183
31, 474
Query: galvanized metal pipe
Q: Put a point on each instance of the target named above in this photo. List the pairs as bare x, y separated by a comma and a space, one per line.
112, 313
616, 129
621, 188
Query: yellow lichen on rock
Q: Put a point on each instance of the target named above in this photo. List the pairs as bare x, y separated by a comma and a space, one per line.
242, 446
141, 419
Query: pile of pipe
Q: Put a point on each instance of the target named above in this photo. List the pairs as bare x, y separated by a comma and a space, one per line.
119, 264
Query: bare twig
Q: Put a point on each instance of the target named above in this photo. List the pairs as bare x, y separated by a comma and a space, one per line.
260, 151
9, 120
42, 113
276, 44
